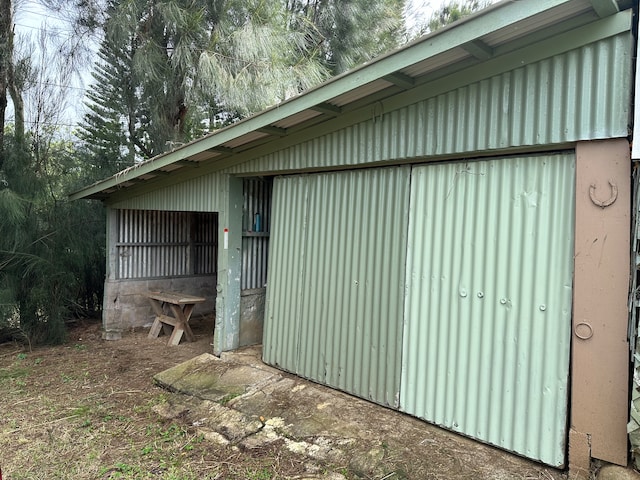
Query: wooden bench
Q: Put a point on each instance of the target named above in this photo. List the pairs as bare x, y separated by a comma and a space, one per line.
181, 306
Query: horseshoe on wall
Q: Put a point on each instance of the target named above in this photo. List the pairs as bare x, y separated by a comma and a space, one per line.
609, 201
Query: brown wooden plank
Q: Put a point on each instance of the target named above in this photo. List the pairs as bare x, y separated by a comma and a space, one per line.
175, 337
156, 306
155, 328
169, 320
175, 297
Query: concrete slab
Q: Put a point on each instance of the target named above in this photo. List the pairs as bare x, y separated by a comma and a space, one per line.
208, 378
246, 403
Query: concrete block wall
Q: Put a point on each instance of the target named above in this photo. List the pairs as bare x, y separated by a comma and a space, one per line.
125, 305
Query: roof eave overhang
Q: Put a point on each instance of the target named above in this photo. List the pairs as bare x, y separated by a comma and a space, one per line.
466, 34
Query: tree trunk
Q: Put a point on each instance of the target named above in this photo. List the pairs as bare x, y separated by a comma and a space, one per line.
6, 42
15, 93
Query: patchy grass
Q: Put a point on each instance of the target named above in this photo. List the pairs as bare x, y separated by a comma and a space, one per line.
85, 410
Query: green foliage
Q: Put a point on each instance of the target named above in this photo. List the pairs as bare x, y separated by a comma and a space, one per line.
351, 32
112, 102
255, 59
454, 11
51, 259
170, 71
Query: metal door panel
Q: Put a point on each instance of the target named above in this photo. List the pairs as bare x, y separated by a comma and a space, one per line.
488, 306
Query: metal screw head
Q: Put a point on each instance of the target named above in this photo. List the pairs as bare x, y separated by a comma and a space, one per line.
543, 307
480, 294
503, 301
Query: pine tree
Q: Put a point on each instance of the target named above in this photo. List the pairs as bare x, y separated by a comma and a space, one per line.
170, 70
453, 11
112, 129
351, 32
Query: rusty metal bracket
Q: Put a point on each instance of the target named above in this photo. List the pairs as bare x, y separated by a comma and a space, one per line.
609, 201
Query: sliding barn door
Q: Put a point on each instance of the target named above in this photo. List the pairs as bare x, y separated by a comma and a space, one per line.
335, 289
488, 307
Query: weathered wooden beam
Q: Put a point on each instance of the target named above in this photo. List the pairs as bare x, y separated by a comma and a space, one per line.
327, 109
220, 149
478, 49
401, 80
183, 163
271, 130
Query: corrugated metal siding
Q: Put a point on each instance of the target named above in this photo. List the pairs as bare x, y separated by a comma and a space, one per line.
202, 194
280, 342
633, 428
488, 308
347, 279
153, 244
204, 232
255, 240
581, 95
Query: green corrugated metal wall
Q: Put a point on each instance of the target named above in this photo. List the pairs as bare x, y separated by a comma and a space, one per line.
488, 309
488, 284
207, 193
336, 275
287, 255
579, 95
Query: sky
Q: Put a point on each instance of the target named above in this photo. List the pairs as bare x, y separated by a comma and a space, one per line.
32, 16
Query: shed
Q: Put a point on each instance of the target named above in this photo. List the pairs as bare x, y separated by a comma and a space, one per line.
444, 230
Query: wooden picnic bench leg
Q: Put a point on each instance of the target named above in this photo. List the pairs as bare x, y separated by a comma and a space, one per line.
182, 316
157, 324
155, 328
187, 311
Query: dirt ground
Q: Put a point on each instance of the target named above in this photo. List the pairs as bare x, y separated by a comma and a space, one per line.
89, 410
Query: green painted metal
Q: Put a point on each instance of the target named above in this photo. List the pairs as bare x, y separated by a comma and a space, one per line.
582, 94
287, 257
336, 279
488, 22
488, 306
226, 334
206, 193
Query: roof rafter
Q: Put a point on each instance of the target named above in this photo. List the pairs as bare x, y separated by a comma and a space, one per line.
271, 130
401, 80
327, 109
604, 8
478, 49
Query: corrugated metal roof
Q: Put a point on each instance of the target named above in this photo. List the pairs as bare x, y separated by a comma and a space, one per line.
500, 29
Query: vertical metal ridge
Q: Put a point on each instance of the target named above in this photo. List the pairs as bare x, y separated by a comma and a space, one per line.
350, 281
287, 254
201, 194
255, 244
579, 95
489, 272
